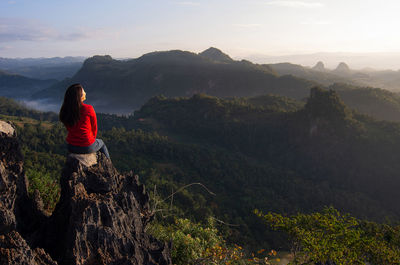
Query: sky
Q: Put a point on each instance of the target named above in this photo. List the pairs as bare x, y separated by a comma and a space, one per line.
130, 28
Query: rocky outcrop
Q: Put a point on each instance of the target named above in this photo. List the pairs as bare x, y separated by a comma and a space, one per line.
100, 218
19, 216
15, 250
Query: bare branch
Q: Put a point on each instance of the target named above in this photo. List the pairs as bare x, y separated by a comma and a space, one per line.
222, 222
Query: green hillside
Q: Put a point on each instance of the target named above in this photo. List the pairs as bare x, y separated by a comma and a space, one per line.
13, 108
325, 149
269, 153
378, 103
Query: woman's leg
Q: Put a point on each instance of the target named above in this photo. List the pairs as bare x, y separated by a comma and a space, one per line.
103, 148
98, 145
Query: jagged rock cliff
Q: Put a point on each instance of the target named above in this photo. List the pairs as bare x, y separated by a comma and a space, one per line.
100, 219
19, 216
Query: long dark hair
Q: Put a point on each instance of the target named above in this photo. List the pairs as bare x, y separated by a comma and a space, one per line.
70, 109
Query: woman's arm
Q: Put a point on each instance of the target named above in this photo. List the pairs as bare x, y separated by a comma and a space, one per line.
93, 121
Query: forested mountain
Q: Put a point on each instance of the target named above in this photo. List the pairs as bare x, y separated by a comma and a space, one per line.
322, 154
378, 103
43, 68
122, 86
21, 87
268, 152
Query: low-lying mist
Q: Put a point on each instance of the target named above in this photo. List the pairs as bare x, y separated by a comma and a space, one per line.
42, 105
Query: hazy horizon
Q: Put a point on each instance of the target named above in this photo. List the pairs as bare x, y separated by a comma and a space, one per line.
356, 61
128, 29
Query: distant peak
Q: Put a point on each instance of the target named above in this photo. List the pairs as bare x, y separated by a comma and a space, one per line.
216, 55
319, 66
342, 68
98, 59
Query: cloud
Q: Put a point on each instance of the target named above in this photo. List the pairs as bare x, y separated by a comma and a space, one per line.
316, 22
12, 2
16, 29
188, 3
5, 48
295, 4
88, 33
254, 25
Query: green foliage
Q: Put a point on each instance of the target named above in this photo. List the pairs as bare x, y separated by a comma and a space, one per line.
190, 241
330, 236
276, 103
47, 186
268, 156
327, 104
195, 243
44, 153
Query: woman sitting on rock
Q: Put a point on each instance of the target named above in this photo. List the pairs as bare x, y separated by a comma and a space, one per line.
81, 123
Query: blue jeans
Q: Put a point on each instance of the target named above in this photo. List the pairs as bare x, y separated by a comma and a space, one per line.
98, 145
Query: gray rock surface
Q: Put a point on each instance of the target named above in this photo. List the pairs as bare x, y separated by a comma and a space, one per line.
15, 250
19, 218
102, 215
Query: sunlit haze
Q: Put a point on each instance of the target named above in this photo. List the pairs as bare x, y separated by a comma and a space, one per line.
241, 28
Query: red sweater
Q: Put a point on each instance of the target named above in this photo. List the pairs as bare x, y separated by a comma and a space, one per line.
84, 132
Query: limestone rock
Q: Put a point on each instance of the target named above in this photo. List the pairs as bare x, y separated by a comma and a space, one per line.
102, 215
15, 250
6, 128
87, 160
18, 215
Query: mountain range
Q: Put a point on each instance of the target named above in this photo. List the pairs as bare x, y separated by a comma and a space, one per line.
19, 87
386, 79
123, 86
42, 68
115, 86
